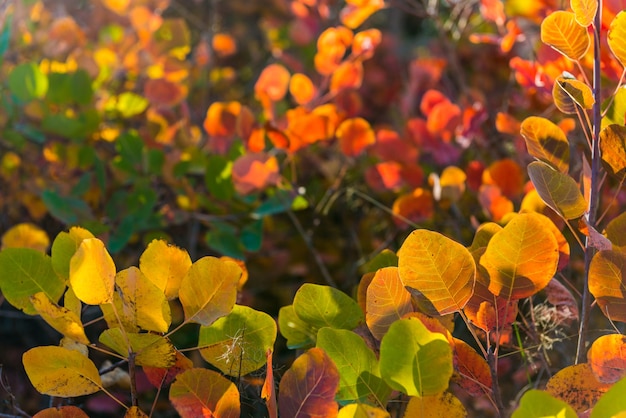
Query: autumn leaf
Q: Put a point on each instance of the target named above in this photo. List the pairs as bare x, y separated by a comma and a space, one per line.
299, 334
92, 273
150, 349
613, 147
308, 387
348, 75
65, 246
57, 371
607, 283
439, 268
255, 172
67, 411
559, 191
302, 88
387, 301
442, 405
355, 12
607, 358
268, 391
616, 36
585, 11
59, 318
273, 83
365, 42
577, 386
165, 265
507, 175
163, 376
201, 392
578, 91
474, 374
26, 235
325, 306
546, 141
539, 404
562, 32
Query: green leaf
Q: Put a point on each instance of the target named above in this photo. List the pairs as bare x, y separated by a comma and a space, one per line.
559, 191
359, 373
237, 343
130, 104
24, 272
130, 147
224, 238
252, 235
67, 209
616, 108
27, 82
64, 247
80, 87
612, 403
414, 360
280, 202
539, 404
325, 306
217, 177
298, 333
386, 258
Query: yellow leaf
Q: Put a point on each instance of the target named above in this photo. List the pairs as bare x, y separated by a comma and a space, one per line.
578, 91
613, 147
562, 100
64, 247
521, 258
546, 141
561, 31
59, 318
444, 405
209, 290
617, 37
143, 301
362, 410
387, 301
135, 412
71, 302
442, 270
584, 10
57, 371
165, 265
150, 349
26, 235
92, 273
577, 386
607, 283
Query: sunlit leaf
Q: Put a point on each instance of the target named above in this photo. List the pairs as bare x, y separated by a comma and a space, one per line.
325, 306
561, 31
349, 75
92, 273
202, 392
27, 82
387, 301
209, 289
416, 206
507, 175
442, 405
616, 230
473, 370
607, 283
494, 203
365, 42
354, 135
559, 191
64, 247
613, 147
24, 272
439, 268
57, 371
414, 360
129, 104
562, 100
26, 235
236, 343
362, 410
59, 318
354, 13
150, 349
539, 404
135, 412
308, 388
165, 265
614, 108
299, 334
162, 376
272, 83
161, 92
302, 88
607, 358
616, 37
546, 141
577, 386
613, 403
483, 235
67, 411
221, 119
585, 11
521, 259
359, 373
143, 301
223, 44
578, 91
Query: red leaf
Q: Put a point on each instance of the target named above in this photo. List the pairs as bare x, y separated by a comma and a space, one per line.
161, 377
164, 93
254, 172
354, 136
204, 393
268, 392
308, 388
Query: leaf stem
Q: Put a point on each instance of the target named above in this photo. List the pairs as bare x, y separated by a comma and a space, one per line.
594, 192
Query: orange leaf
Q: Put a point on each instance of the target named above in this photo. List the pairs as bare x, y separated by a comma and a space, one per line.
255, 172
308, 388
305, 128
387, 301
443, 120
272, 83
617, 37
584, 10
546, 141
507, 124
223, 44
268, 392
204, 393
616, 230
416, 206
145, 23
221, 119
441, 405
439, 268
301, 88
562, 32
365, 42
577, 386
507, 175
607, 283
492, 201
613, 147
521, 258
118, 6
354, 136
68, 411
349, 75
384, 176
161, 92
607, 358
355, 12
161, 377
474, 374
431, 99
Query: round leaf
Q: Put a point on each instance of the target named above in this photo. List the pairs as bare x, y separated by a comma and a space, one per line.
584, 10
298, 333
414, 360
559, 191
64, 247
617, 37
546, 141
236, 343
165, 265
201, 392
613, 147
521, 259
607, 283
387, 301
561, 31
435, 406
539, 404
442, 270
577, 386
607, 358
57, 371
26, 235
92, 273
325, 306
578, 91
151, 349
